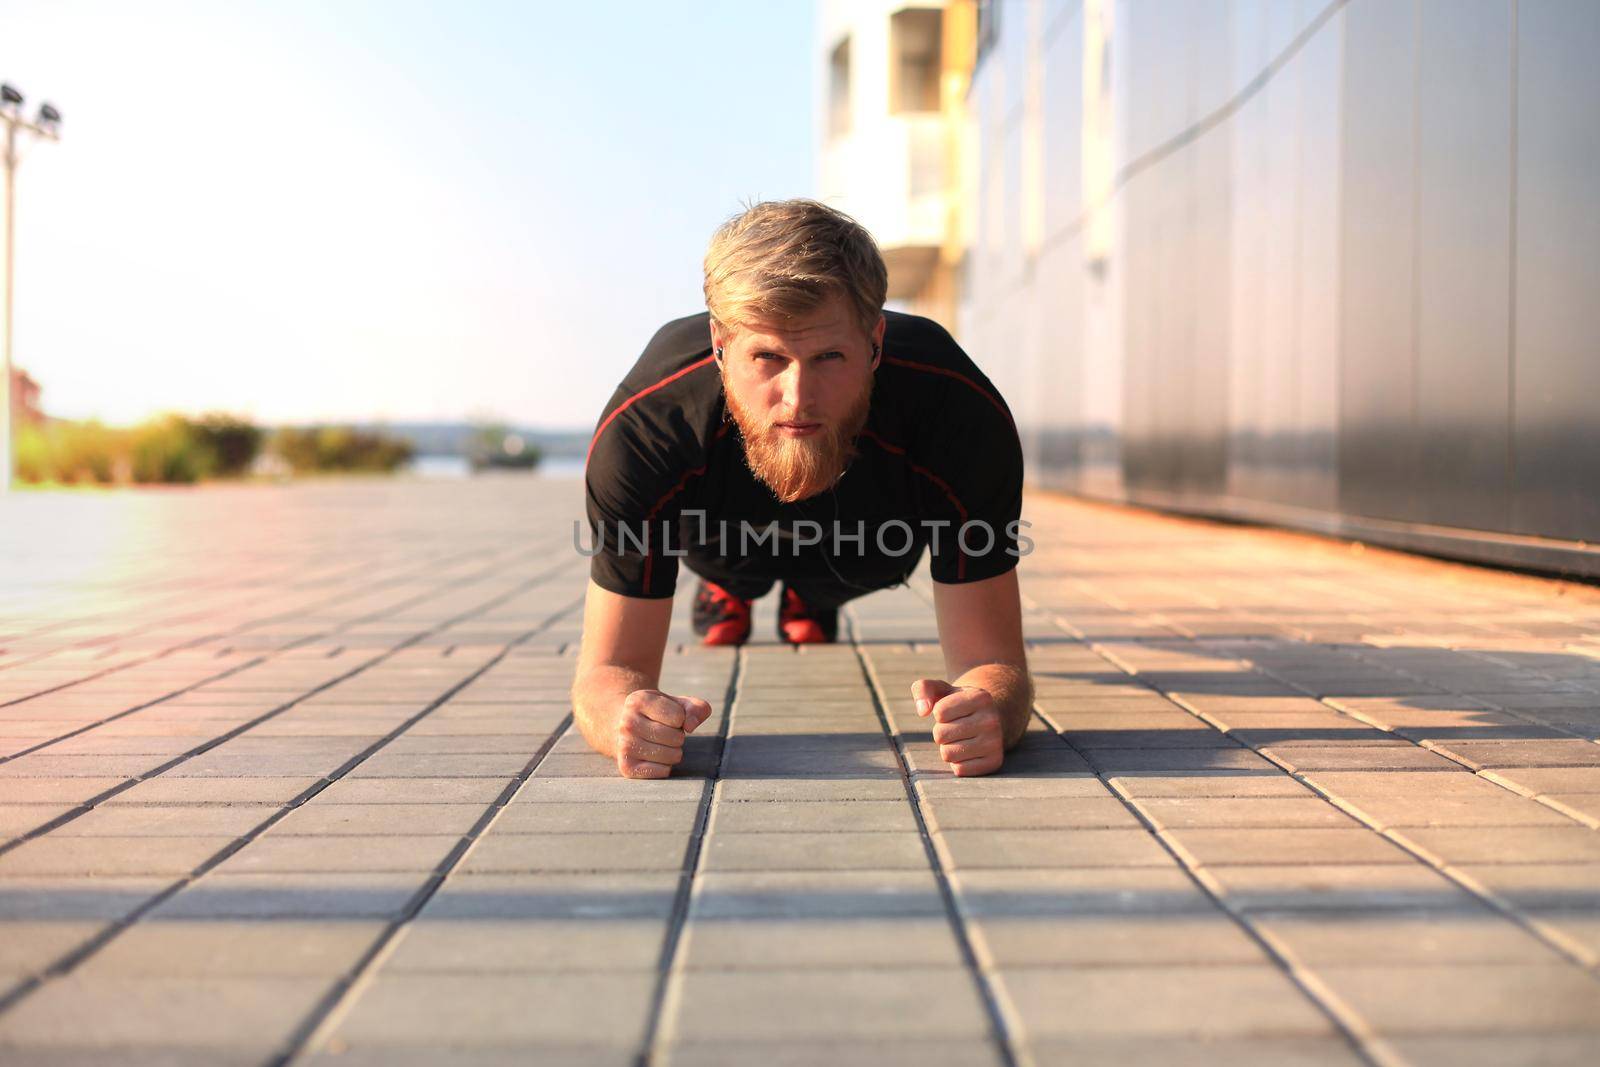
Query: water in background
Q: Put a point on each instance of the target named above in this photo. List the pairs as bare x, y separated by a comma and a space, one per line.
459, 467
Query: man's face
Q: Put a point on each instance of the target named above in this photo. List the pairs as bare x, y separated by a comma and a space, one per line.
800, 392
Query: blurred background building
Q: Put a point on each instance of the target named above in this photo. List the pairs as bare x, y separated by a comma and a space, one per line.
1321, 263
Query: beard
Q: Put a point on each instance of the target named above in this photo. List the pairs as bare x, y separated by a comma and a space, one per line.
796, 468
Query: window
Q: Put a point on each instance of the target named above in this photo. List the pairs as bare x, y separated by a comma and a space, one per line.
839, 89
916, 38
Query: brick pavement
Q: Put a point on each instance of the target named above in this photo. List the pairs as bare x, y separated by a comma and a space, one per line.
287, 775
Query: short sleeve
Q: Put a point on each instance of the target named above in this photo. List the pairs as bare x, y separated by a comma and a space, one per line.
632, 495
973, 479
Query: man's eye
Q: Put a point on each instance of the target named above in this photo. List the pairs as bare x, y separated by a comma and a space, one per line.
768, 355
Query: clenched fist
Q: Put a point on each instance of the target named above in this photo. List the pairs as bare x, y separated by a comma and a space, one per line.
651, 729
966, 725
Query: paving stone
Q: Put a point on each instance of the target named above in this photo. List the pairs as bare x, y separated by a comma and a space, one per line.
563, 944
863, 895
503, 853
217, 764
52, 855
292, 896
65, 898
1240, 812
1539, 780
481, 791
273, 853
385, 764
864, 1052
1402, 938
52, 791
1493, 1050
1093, 940
252, 1013
96, 744
1471, 998
321, 818
820, 788
598, 817
1584, 807
819, 817
735, 1005
964, 849
788, 944
1538, 886
126, 820
1273, 783
611, 788
597, 1008
1089, 891
1360, 784
48, 765
1339, 887
29, 946
1203, 847
1002, 786
1215, 1000
1472, 811
238, 949
23, 818
556, 896
879, 760
1197, 1052
1043, 813
1370, 757
836, 851
1505, 844
247, 790
1490, 755
423, 1053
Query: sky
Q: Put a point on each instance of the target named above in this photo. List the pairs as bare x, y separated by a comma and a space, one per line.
320, 210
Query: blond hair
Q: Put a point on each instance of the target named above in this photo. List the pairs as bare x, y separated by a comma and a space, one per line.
781, 258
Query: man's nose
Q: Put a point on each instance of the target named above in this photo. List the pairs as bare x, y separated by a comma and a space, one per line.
798, 387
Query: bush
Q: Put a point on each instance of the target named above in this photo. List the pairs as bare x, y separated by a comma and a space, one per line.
327, 449
234, 442
170, 449
89, 452
34, 459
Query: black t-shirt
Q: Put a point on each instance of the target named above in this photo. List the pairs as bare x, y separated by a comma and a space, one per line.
938, 466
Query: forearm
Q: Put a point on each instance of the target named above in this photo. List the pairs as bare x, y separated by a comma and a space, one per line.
597, 696
1011, 687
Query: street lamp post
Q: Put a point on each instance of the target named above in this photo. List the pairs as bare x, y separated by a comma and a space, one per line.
47, 126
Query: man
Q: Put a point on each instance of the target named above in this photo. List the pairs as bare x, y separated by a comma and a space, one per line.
865, 436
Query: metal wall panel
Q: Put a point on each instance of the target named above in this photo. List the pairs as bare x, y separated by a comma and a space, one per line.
1557, 344
1377, 438
1464, 263
1316, 311
1361, 301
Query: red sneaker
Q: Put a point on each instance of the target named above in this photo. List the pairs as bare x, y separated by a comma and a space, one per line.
800, 624
720, 618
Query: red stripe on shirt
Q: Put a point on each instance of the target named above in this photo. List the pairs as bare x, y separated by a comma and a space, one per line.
646, 391
958, 376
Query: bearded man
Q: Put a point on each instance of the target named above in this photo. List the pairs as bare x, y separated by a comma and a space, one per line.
797, 433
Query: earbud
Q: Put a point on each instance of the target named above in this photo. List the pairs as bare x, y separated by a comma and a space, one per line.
719, 355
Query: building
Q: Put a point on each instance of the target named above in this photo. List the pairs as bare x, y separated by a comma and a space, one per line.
25, 410
1314, 262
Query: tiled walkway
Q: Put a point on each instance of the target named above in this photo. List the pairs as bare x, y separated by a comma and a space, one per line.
287, 775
